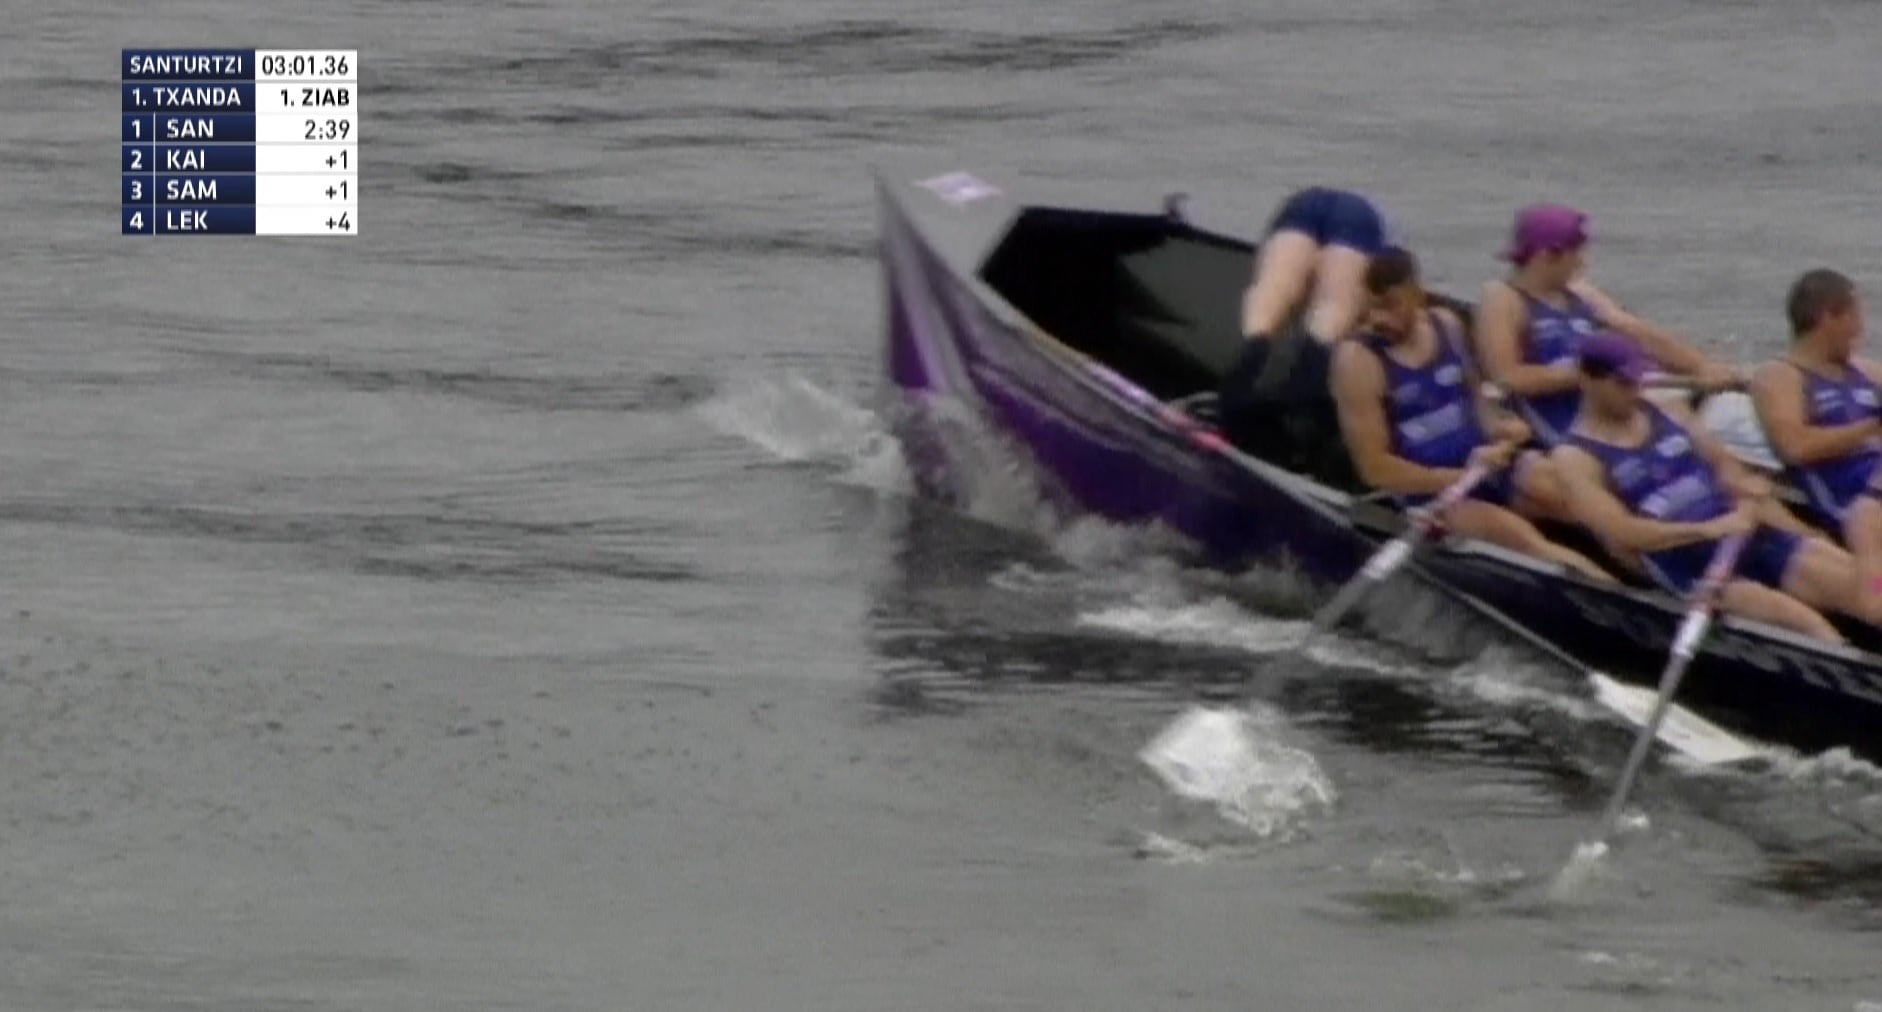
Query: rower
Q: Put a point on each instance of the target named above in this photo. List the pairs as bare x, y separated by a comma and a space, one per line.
1531, 323
1821, 408
1414, 418
1274, 402
1644, 479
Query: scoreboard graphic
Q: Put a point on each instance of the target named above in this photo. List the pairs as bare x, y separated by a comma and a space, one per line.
240, 142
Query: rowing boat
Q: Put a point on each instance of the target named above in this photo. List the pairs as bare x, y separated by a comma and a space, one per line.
1091, 340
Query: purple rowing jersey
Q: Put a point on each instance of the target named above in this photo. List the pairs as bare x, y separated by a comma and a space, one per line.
1553, 338
1664, 478
1431, 408
1832, 485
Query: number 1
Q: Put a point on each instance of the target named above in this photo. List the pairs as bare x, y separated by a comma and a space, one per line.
137, 128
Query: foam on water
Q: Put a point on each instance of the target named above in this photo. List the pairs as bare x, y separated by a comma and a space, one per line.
1836, 767
1240, 762
797, 420
1222, 623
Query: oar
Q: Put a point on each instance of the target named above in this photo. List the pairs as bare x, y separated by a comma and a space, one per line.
1681, 730
1195, 751
1692, 630
1388, 559
1651, 381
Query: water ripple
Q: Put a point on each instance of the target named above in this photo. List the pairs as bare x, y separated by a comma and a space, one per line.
637, 391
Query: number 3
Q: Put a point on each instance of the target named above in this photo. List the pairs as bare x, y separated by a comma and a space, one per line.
137, 189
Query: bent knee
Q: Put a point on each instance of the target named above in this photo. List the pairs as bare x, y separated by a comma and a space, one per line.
1496, 524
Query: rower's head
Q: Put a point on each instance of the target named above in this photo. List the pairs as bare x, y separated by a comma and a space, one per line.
1397, 296
1612, 367
1547, 243
1825, 309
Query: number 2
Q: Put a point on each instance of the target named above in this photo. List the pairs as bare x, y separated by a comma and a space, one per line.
137, 158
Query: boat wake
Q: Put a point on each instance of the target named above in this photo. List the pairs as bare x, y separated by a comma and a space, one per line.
1220, 622
798, 421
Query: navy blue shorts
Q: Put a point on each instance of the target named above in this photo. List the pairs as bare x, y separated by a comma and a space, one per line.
1332, 218
1763, 560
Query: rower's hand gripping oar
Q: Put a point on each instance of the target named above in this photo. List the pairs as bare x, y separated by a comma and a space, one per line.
1425, 523
1699, 613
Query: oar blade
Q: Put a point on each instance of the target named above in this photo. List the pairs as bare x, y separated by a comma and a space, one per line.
1680, 729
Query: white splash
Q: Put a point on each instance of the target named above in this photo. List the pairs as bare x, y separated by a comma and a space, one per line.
1220, 622
796, 420
1838, 767
1236, 760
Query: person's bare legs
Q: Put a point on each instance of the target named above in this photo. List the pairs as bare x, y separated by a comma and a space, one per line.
1284, 269
1474, 518
1339, 293
1862, 532
1540, 494
1823, 576
1757, 601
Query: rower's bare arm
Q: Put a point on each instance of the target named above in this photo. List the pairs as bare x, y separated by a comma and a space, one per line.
1666, 347
1359, 393
1493, 415
1500, 318
1777, 392
1609, 519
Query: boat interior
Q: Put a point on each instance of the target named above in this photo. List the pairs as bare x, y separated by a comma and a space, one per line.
1159, 301
1146, 294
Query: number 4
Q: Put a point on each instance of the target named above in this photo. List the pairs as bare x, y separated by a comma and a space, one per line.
137, 220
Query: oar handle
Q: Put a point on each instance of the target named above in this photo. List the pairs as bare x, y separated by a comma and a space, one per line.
1655, 380
1705, 596
1425, 518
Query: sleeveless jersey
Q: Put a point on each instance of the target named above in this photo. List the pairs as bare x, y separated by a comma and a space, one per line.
1553, 338
1431, 408
1832, 485
1664, 478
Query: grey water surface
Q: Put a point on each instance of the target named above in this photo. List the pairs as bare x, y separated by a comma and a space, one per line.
516, 606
